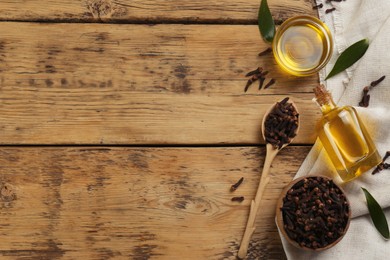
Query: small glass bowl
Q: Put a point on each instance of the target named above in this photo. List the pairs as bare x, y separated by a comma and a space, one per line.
296, 39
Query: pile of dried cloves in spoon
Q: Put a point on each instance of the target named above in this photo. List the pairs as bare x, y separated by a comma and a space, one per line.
281, 124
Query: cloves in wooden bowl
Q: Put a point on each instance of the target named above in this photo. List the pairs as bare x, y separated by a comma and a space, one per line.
313, 213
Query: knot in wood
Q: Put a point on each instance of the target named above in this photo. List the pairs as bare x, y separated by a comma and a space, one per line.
7, 193
99, 8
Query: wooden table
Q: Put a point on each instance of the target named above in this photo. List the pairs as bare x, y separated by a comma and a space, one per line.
124, 124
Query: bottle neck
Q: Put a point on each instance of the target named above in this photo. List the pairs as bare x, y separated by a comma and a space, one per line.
327, 107
324, 99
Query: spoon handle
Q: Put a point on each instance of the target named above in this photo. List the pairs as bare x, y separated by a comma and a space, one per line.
250, 226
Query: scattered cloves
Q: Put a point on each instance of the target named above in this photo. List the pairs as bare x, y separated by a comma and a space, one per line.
238, 199
270, 83
250, 81
382, 165
366, 97
365, 100
237, 184
376, 82
253, 72
258, 74
330, 10
265, 52
262, 78
261, 82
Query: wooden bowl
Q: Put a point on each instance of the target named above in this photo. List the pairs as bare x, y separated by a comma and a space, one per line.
281, 224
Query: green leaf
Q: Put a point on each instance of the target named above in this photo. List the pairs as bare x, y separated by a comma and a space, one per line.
377, 215
351, 55
266, 22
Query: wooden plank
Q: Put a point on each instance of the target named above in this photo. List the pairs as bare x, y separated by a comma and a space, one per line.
138, 84
169, 203
195, 11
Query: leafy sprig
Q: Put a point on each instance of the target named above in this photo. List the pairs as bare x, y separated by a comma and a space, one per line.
266, 22
377, 215
351, 55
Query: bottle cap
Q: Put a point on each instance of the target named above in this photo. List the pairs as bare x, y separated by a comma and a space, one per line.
322, 95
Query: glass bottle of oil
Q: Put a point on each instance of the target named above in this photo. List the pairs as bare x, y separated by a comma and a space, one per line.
344, 137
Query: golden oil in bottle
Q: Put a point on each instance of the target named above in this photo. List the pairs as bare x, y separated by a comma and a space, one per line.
345, 138
302, 45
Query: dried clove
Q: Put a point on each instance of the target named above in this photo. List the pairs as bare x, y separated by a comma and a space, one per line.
366, 97
270, 83
330, 10
365, 100
253, 72
261, 82
250, 81
262, 78
387, 155
265, 52
237, 184
382, 165
281, 124
376, 82
318, 6
238, 199
319, 215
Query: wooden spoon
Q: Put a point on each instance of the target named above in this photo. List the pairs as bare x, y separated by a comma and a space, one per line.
270, 156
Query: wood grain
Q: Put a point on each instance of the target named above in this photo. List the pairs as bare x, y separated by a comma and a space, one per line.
131, 83
139, 84
156, 11
138, 203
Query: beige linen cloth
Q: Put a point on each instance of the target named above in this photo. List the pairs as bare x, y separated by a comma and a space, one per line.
352, 21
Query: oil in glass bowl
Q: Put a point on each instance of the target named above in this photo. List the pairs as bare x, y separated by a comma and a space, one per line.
302, 45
